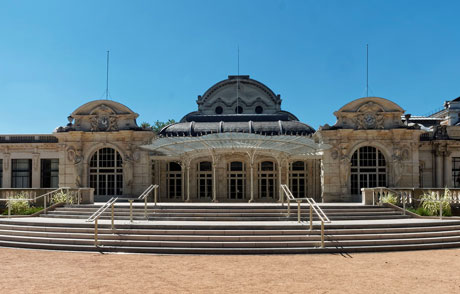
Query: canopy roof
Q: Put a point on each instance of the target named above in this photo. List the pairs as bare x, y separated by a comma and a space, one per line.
290, 145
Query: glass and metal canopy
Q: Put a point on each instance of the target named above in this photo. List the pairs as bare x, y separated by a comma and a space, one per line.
187, 145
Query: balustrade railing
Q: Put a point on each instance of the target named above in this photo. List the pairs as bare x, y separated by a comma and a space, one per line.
30, 195
412, 197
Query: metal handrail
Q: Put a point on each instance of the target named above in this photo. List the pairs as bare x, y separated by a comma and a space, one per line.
95, 216
144, 197
45, 196
313, 207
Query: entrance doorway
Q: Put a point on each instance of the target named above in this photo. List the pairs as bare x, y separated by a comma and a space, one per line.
106, 172
368, 169
267, 180
204, 184
236, 180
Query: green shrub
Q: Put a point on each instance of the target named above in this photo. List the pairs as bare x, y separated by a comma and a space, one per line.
420, 211
431, 205
389, 198
28, 211
61, 197
19, 204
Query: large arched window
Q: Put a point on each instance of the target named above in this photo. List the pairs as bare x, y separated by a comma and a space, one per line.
368, 169
106, 172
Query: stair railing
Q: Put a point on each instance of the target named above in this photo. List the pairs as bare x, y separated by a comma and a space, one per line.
314, 207
47, 197
95, 216
144, 197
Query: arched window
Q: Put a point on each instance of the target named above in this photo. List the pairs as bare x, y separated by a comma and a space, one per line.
368, 169
106, 172
174, 180
298, 179
236, 180
204, 179
267, 179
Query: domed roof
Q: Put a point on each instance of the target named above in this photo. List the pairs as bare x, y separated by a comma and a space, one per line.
101, 116
238, 104
90, 107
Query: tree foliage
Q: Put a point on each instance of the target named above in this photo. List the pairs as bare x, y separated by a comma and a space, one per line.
157, 126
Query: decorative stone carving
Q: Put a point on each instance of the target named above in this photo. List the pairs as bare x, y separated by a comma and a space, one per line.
440, 133
104, 120
345, 170
369, 120
75, 156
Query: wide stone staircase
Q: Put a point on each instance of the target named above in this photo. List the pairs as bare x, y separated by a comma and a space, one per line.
228, 229
227, 212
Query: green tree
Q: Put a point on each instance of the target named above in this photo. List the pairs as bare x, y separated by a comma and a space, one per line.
157, 126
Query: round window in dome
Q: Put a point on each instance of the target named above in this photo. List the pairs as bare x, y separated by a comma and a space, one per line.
259, 109
219, 110
239, 109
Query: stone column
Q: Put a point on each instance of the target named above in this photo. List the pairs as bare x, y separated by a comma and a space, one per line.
439, 169
280, 191
6, 170
214, 182
183, 167
187, 164
35, 170
251, 166
447, 181
287, 173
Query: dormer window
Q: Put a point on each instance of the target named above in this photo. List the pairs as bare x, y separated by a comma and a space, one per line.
259, 109
239, 110
219, 110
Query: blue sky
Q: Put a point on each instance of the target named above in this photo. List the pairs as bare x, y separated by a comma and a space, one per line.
165, 53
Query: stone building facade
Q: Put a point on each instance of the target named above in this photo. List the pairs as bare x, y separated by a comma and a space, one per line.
238, 146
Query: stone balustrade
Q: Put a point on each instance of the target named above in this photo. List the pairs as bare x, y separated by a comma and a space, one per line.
411, 196
86, 194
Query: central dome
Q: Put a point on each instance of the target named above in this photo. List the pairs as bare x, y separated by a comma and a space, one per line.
238, 104
240, 95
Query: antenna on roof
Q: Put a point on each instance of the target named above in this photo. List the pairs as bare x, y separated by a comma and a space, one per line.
367, 70
107, 78
238, 82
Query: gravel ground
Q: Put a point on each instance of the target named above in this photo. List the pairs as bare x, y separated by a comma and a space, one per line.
37, 271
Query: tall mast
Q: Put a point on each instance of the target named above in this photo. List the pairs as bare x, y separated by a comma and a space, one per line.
107, 78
